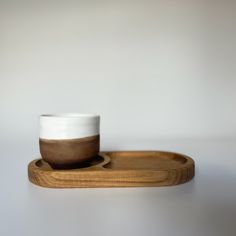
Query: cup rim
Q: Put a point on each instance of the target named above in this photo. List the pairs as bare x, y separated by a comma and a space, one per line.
69, 115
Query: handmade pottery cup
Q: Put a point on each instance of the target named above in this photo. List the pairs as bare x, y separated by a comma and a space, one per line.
69, 139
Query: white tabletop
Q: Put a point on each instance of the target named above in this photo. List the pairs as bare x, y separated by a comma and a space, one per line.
203, 206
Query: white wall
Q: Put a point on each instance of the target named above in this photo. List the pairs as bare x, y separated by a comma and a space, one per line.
152, 69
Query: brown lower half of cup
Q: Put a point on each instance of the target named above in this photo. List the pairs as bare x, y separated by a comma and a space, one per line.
69, 153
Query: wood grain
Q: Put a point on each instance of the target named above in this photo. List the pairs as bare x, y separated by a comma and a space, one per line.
117, 169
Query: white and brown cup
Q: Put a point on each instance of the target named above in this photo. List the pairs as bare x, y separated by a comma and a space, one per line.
69, 139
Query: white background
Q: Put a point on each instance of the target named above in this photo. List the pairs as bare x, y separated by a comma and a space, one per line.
162, 76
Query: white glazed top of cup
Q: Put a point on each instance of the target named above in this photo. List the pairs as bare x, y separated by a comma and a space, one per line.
68, 126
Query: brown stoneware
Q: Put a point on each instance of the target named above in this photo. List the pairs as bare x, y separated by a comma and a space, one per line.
68, 153
69, 140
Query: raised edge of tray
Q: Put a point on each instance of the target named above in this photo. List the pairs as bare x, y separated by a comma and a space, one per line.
117, 169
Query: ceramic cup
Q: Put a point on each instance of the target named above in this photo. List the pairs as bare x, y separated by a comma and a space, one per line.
69, 139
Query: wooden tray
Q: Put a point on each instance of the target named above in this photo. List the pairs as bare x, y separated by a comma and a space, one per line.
117, 169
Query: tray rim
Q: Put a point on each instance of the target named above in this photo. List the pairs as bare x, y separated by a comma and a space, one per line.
104, 176
106, 160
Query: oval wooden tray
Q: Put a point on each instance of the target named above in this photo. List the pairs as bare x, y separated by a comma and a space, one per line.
117, 169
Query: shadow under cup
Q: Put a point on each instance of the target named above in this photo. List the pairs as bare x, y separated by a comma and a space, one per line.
69, 140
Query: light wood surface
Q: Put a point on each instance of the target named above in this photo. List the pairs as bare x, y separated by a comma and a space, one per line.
117, 169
